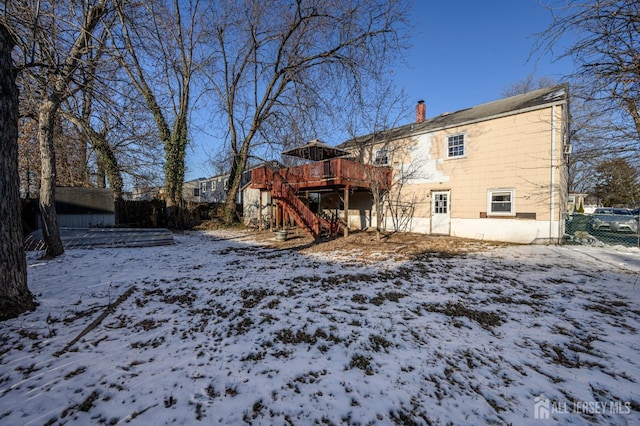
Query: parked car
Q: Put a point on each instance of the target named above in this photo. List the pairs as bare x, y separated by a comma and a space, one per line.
612, 219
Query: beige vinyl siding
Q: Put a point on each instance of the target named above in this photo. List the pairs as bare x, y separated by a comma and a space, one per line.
510, 152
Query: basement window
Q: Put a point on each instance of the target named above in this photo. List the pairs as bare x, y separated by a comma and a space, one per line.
500, 202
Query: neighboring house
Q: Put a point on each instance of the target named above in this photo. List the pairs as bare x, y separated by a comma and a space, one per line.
146, 193
496, 171
206, 190
214, 189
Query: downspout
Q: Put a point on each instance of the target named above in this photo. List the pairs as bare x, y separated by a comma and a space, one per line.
552, 181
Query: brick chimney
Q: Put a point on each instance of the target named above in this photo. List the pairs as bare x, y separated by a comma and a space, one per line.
421, 112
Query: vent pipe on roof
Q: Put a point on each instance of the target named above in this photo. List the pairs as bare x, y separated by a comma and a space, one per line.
421, 112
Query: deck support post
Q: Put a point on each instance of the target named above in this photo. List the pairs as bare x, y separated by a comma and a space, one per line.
271, 212
346, 210
260, 211
277, 210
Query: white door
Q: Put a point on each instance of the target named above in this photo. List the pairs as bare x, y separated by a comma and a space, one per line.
440, 212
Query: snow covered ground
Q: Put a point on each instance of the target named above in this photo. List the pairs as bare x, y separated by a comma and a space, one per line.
222, 329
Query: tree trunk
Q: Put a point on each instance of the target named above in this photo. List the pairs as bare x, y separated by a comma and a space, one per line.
377, 202
175, 151
15, 297
632, 108
235, 178
50, 230
101, 175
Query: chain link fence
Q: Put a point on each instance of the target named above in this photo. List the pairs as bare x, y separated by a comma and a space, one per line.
602, 230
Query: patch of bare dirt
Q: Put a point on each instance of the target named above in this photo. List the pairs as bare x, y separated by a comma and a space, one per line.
398, 244
212, 224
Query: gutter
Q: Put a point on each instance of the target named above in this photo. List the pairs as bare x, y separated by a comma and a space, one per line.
552, 180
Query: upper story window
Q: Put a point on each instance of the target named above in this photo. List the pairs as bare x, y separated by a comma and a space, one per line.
196, 192
382, 157
203, 187
456, 146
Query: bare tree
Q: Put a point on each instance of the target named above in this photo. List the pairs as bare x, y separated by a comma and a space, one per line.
270, 58
28, 158
587, 128
167, 36
606, 52
53, 40
106, 155
117, 129
69, 144
98, 85
396, 162
380, 108
401, 203
528, 84
85, 95
15, 296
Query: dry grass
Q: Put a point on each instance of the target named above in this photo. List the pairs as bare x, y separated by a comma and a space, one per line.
396, 244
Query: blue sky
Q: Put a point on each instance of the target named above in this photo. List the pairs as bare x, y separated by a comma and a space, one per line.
467, 52
464, 53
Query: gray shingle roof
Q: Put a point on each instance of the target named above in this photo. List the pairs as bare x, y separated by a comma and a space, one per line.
535, 99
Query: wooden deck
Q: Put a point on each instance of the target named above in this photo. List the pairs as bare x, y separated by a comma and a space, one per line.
334, 173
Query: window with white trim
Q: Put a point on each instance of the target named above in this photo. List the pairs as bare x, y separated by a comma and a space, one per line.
501, 202
456, 146
382, 157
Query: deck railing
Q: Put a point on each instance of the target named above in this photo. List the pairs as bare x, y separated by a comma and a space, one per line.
284, 185
334, 172
286, 196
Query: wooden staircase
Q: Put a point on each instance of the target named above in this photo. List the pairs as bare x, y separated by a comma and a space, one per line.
286, 196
